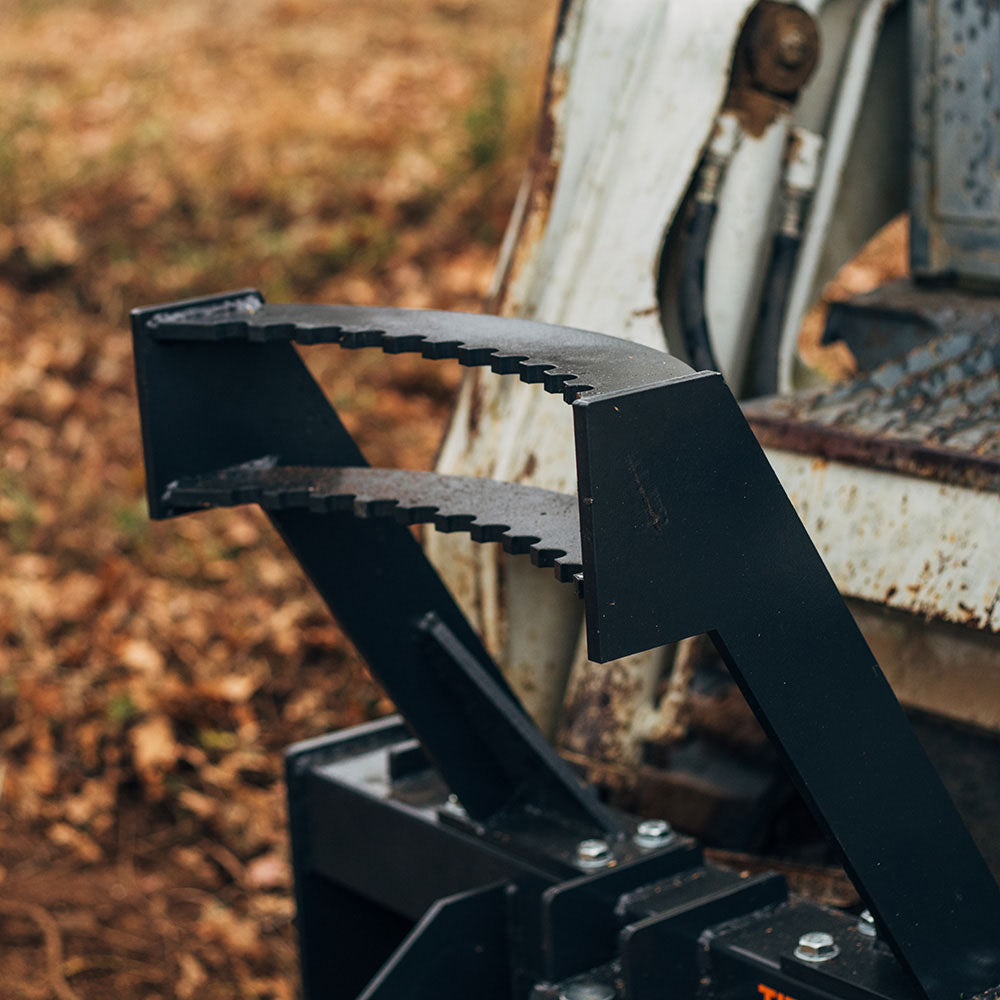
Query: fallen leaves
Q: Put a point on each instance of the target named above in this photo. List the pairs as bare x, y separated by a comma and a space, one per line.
151, 674
154, 752
269, 871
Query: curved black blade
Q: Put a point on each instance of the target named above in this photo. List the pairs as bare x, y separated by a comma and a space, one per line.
568, 361
522, 518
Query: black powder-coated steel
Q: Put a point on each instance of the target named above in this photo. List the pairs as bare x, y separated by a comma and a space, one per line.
684, 529
523, 519
663, 923
571, 362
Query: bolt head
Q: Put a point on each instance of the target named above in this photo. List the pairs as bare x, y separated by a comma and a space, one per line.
593, 854
587, 991
792, 48
866, 924
817, 946
653, 833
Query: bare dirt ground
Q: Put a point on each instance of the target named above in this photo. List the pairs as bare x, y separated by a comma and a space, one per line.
150, 674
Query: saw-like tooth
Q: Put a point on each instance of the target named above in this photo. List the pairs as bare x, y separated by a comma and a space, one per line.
541, 556
572, 390
374, 506
453, 522
284, 497
415, 515
518, 545
474, 356
534, 372
487, 532
355, 339
331, 503
439, 350
317, 335
566, 572
402, 343
507, 364
554, 380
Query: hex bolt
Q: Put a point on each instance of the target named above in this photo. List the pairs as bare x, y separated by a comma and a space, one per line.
593, 854
817, 946
454, 806
587, 991
866, 924
653, 833
792, 47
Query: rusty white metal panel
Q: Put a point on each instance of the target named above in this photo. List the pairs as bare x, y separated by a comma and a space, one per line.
947, 670
921, 546
634, 88
633, 92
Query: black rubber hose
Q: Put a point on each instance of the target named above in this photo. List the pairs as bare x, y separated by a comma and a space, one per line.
691, 302
762, 379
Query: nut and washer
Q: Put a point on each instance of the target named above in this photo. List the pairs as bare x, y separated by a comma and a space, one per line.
866, 924
587, 991
593, 854
653, 833
817, 946
454, 806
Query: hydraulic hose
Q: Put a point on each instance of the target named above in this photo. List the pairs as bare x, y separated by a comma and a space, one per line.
691, 302
691, 299
762, 379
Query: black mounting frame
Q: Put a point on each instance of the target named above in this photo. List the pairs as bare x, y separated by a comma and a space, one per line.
680, 527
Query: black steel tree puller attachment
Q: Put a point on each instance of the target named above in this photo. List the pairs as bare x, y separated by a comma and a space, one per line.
471, 862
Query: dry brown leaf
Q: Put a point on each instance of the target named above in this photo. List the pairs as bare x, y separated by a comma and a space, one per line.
154, 750
235, 688
269, 871
203, 806
95, 798
238, 934
67, 836
192, 977
142, 655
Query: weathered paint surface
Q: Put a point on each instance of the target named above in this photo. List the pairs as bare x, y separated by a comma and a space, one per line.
933, 412
633, 92
913, 544
942, 669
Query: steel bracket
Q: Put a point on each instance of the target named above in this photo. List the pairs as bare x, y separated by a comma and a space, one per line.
683, 528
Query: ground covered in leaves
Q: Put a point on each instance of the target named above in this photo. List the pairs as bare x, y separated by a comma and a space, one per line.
150, 674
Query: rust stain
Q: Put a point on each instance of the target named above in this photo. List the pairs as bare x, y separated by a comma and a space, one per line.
543, 171
775, 56
931, 414
648, 311
825, 884
598, 712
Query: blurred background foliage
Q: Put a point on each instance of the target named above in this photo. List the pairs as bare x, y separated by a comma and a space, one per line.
151, 673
